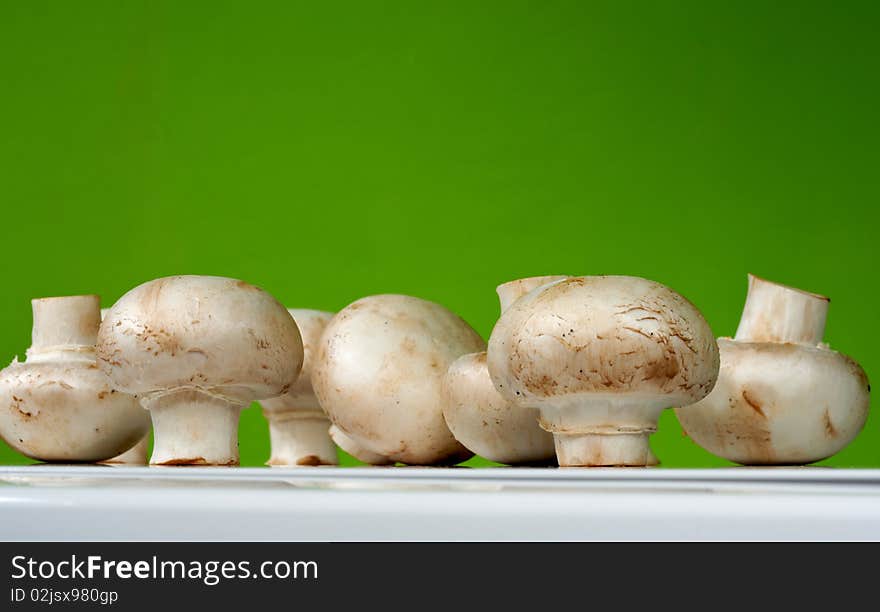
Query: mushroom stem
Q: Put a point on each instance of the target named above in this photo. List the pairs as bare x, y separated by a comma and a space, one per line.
510, 292
604, 449
191, 427
63, 324
603, 432
300, 438
356, 450
777, 313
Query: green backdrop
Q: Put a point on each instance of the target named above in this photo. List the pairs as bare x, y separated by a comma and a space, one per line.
330, 150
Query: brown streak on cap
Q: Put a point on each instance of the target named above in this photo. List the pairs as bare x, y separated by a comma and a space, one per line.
751, 401
829, 426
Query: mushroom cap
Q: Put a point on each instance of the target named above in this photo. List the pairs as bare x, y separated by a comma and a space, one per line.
486, 423
67, 411
602, 337
379, 370
779, 404
136, 455
219, 335
300, 396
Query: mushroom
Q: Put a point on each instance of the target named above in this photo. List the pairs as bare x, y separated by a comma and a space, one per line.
136, 455
356, 449
480, 417
600, 357
298, 426
57, 405
782, 397
378, 374
196, 350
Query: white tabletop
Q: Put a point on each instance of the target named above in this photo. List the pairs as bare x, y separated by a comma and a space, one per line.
44, 502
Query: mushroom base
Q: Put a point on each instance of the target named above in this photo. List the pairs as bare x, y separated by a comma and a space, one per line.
191, 427
603, 431
300, 439
604, 449
356, 450
136, 455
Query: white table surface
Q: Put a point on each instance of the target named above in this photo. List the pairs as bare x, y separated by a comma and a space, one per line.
44, 502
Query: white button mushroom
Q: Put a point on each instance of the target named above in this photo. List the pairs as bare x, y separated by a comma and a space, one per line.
480, 418
196, 350
298, 426
378, 374
782, 397
356, 449
57, 405
136, 455
600, 357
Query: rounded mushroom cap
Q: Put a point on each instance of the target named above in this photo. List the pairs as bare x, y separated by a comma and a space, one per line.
136, 455
300, 396
611, 337
779, 404
379, 370
486, 423
220, 335
55, 411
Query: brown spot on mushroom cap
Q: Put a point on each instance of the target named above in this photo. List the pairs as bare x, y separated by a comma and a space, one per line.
17, 404
156, 340
753, 403
408, 346
829, 426
742, 429
243, 285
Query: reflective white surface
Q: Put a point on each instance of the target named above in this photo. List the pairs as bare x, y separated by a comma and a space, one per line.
331, 504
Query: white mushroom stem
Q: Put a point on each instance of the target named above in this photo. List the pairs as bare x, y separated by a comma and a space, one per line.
194, 428
583, 434
300, 438
356, 450
510, 292
777, 313
64, 325
604, 449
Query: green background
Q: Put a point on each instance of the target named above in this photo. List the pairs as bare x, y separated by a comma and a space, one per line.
331, 150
